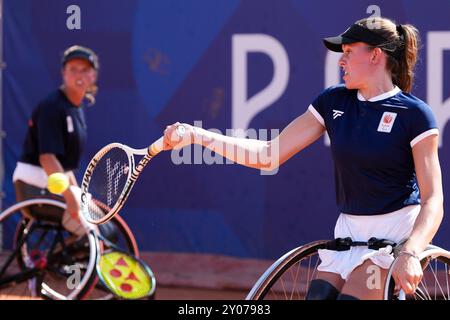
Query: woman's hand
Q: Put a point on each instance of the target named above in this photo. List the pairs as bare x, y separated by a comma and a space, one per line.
407, 273
172, 140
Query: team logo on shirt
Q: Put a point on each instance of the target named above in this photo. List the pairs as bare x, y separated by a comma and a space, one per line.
337, 113
387, 122
69, 124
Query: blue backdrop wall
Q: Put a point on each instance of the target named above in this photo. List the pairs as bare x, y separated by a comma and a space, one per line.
167, 61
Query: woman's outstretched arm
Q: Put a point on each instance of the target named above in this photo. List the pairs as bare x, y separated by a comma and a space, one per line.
258, 154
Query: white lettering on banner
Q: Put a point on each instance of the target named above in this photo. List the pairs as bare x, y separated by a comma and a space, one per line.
376, 13
244, 109
74, 20
437, 43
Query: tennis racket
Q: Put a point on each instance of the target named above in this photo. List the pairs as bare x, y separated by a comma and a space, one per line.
124, 274
110, 176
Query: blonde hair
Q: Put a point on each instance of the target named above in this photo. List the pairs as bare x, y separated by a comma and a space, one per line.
401, 48
91, 92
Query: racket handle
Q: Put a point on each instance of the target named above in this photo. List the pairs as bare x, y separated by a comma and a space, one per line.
158, 145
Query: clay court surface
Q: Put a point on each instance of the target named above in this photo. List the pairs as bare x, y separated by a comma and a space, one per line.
182, 276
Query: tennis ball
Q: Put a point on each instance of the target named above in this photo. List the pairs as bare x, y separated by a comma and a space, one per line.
57, 183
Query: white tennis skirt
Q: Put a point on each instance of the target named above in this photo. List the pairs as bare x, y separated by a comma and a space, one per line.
395, 226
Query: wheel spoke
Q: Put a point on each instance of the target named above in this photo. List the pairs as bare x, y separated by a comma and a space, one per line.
290, 276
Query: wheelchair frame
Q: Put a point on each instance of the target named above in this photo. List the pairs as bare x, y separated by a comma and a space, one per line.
271, 283
35, 273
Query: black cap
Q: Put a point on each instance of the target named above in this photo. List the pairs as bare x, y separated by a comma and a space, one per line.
356, 33
79, 52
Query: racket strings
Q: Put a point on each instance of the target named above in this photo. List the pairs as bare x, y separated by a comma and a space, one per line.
125, 276
107, 183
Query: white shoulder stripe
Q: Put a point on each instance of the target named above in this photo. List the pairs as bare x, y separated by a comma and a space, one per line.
316, 114
392, 106
382, 96
423, 135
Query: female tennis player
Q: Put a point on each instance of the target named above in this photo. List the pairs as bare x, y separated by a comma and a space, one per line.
384, 144
57, 132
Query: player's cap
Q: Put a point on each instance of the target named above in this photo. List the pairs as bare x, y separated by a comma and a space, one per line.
356, 33
79, 52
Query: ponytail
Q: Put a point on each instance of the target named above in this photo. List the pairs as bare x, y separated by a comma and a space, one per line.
401, 49
407, 58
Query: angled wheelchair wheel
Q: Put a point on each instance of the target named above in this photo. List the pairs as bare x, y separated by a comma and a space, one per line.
78, 254
117, 234
40, 259
290, 276
435, 284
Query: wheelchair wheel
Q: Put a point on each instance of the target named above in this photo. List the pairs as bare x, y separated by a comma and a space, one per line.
116, 231
41, 259
435, 284
290, 276
122, 236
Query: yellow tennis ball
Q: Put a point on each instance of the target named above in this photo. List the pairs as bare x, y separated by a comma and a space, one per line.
57, 183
